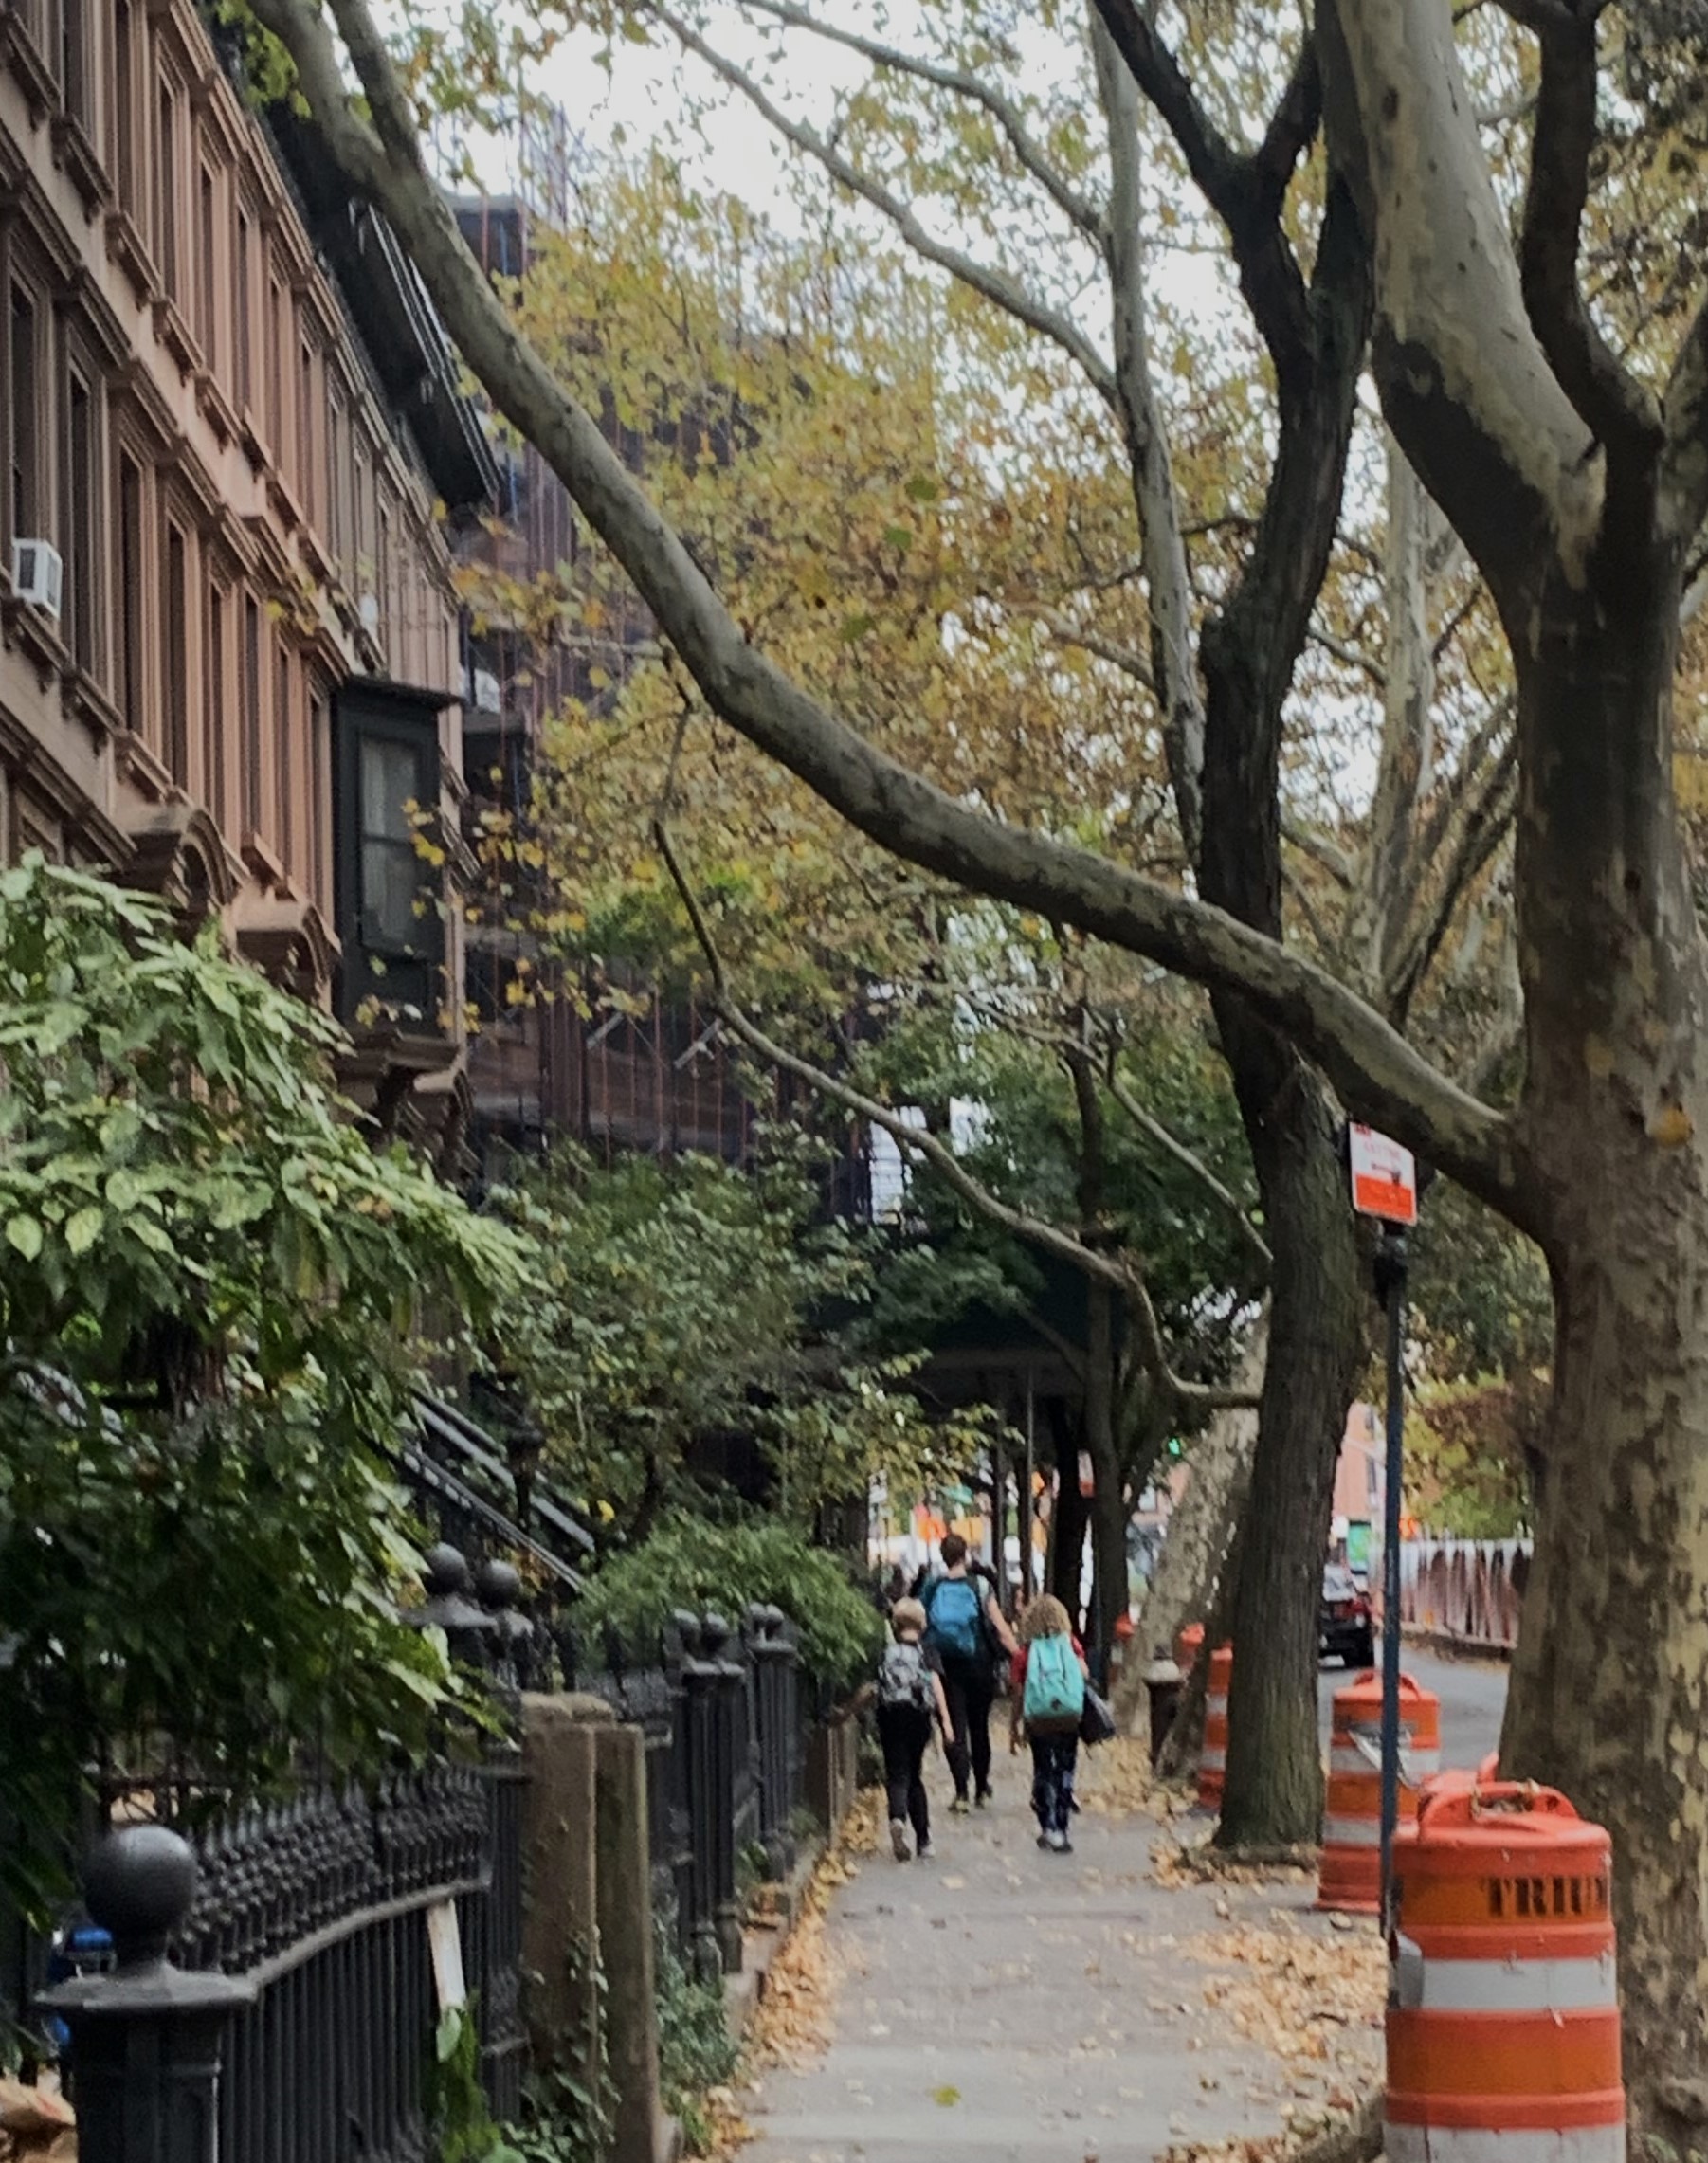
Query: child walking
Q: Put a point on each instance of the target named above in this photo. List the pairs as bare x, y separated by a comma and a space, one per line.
1048, 1700
910, 1700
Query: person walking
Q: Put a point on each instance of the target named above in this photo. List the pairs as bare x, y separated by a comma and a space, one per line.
1048, 1682
910, 1703
964, 1627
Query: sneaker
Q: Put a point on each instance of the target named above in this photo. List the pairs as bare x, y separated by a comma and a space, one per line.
924, 1851
899, 1847
982, 1798
959, 1806
1058, 1842
1044, 1840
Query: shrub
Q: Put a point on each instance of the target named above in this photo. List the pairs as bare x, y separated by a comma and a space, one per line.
700, 1563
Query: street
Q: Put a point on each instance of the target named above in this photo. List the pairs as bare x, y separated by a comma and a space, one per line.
1472, 1693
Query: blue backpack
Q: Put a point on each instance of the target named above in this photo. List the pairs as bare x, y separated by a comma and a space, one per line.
956, 1608
1055, 1689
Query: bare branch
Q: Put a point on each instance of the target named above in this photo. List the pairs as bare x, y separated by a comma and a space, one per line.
1377, 1074
1475, 836
1622, 412
1065, 631
1331, 857
1353, 656
989, 280
1162, 549
1028, 151
1120, 1272
1224, 1196
1246, 191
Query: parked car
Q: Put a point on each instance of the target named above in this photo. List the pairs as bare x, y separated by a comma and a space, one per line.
1345, 1629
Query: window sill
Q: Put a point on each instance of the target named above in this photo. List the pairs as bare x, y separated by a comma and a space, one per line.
176, 336
40, 89
140, 764
222, 415
258, 856
248, 435
284, 502
75, 152
89, 703
35, 633
128, 248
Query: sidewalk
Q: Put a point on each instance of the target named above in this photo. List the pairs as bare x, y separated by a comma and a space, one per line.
1000, 2005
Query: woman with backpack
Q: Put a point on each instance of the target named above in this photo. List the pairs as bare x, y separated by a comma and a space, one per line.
910, 1700
965, 1628
1049, 1680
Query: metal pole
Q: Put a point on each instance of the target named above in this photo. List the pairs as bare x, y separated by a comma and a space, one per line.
1024, 1512
1391, 1284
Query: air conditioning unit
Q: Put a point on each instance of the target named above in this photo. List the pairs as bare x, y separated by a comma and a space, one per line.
38, 576
488, 699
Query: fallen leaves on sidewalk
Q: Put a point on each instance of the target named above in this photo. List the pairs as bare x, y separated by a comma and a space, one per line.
1200, 1863
1116, 1780
793, 2024
1309, 2002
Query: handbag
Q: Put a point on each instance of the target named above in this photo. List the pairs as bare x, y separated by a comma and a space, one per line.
1097, 1721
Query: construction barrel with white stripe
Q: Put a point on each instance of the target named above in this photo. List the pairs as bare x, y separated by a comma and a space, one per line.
1349, 1877
1503, 2040
1213, 1756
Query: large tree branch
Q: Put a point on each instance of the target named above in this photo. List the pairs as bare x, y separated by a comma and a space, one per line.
993, 283
1029, 153
1621, 413
1464, 382
1487, 820
1686, 471
1120, 1272
1379, 1076
1162, 548
1171, 1144
1246, 191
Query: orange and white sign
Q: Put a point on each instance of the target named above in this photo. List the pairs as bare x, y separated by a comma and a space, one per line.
1384, 1176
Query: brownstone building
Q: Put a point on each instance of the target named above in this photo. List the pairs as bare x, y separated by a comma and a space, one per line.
230, 660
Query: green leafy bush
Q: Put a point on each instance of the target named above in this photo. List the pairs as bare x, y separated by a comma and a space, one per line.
698, 1563
696, 2049
210, 1291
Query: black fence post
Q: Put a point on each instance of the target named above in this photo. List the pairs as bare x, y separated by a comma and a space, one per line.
147, 2038
708, 1816
733, 1811
775, 1698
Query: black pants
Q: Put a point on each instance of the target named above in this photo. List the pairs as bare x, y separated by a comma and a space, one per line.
1053, 1758
971, 1686
904, 1731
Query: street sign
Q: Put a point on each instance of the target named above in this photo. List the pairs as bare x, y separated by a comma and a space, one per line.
1384, 1176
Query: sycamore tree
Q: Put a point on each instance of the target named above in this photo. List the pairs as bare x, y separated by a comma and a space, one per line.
1577, 479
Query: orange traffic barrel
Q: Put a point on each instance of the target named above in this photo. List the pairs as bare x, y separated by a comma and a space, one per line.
1213, 1756
1503, 2015
1349, 1878
1187, 1647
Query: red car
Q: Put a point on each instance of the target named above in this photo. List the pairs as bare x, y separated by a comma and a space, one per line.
1345, 1628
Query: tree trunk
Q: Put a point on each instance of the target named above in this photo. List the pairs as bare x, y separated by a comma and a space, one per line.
1108, 1493
1273, 1795
1067, 1517
1610, 1679
1202, 1526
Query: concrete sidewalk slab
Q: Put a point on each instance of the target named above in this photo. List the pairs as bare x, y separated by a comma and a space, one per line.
997, 2004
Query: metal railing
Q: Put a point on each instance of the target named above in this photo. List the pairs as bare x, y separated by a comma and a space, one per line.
727, 1729
1470, 1590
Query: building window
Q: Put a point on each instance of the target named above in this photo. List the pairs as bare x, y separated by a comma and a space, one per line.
206, 329
213, 709
82, 614
283, 778
341, 481
275, 366
388, 917
124, 118
320, 799
174, 629
130, 686
307, 469
252, 744
166, 189
26, 417
246, 329
74, 58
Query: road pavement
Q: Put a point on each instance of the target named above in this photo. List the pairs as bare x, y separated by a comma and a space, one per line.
1472, 1693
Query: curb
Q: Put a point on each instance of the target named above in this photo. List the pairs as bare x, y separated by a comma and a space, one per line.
1445, 1643
761, 1941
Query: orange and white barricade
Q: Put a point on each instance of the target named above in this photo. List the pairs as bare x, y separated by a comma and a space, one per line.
1503, 2023
1213, 1756
1350, 1878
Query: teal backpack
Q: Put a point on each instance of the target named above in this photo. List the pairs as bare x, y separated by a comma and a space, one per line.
956, 1608
1055, 1689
